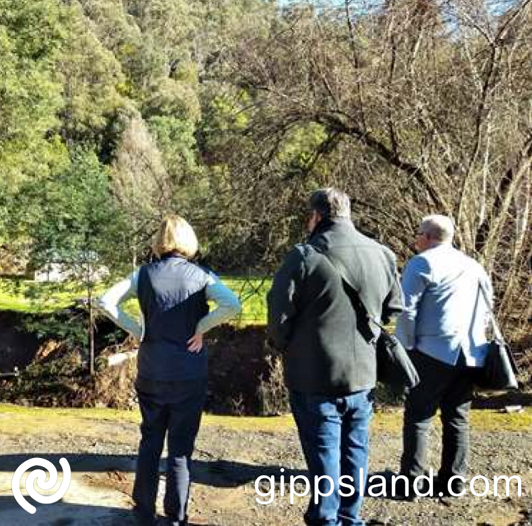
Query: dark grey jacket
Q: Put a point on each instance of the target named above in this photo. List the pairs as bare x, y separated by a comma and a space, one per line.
311, 318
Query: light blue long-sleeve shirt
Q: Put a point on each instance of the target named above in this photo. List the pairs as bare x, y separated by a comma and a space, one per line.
445, 311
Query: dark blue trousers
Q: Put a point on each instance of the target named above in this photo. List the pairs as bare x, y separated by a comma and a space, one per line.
334, 434
172, 410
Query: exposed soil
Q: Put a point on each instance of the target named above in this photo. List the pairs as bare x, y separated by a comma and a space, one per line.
245, 372
228, 461
17, 346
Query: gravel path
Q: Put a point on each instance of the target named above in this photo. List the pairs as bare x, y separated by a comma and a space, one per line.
227, 462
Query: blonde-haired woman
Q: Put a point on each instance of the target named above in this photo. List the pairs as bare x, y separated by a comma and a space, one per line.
172, 360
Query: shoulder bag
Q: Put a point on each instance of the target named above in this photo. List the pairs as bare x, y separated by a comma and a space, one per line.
499, 370
394, 366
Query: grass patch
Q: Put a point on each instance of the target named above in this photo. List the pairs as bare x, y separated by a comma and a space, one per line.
28, 296
18, 420
252, 293
32, 297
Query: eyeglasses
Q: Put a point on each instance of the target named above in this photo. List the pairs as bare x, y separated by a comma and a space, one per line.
420, 233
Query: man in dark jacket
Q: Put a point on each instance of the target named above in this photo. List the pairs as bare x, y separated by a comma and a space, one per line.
329, 357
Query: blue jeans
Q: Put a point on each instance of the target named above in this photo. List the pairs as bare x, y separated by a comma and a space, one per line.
334, 434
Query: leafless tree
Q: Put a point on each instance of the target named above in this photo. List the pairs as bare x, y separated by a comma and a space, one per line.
423, 106
140, 182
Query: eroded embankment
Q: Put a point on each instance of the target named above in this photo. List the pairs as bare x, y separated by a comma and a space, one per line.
246, 376
245, 372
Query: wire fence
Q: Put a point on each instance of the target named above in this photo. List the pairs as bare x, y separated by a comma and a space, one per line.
252, 294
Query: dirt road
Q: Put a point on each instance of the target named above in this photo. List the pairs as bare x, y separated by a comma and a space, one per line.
232, 453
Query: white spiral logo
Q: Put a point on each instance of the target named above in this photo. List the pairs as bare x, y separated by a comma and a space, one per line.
39, 476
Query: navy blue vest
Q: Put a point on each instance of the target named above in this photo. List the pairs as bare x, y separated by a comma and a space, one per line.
171, 293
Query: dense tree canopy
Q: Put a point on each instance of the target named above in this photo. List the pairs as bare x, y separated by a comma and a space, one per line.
231, 111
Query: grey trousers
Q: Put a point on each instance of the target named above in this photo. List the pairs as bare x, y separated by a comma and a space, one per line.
449, 388
172, 410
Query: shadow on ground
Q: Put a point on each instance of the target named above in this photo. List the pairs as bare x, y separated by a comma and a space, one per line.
216, 473
66, 514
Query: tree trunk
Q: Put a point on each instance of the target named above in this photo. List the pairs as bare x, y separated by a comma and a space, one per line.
91, 334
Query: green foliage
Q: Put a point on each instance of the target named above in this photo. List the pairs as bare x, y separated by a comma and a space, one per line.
91, 77
299, 149
70, 218
177, 142
113, 27
25, 295
222, 128
70, 331
173, 98
35, 27
31, 35
226, 112
139, 82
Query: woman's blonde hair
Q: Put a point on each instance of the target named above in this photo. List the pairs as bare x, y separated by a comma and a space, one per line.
175, 235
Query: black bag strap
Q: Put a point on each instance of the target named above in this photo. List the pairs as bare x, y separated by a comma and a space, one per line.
496, 329
359, 306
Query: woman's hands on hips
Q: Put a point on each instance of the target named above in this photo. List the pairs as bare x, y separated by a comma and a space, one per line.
195, 344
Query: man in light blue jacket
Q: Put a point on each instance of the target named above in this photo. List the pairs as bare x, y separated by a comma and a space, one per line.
443, 326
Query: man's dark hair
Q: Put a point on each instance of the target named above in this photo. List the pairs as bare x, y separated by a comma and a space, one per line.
330, 203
